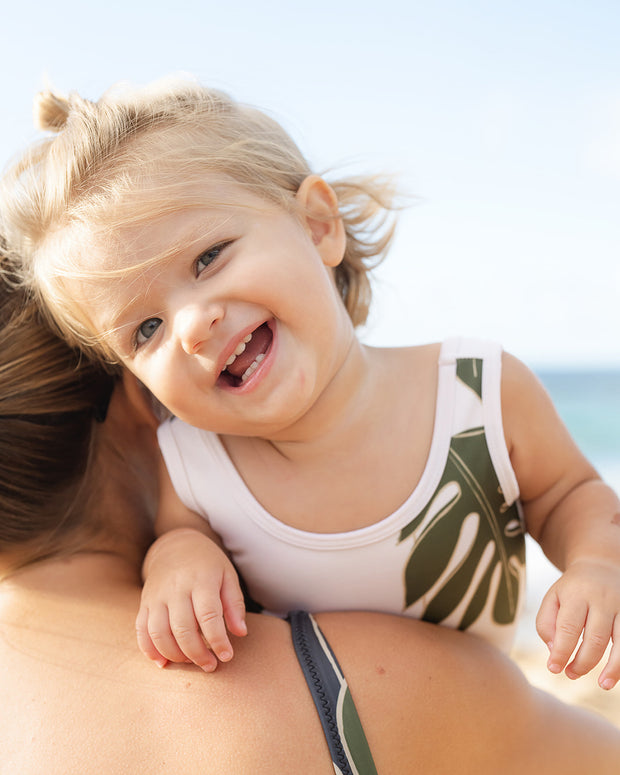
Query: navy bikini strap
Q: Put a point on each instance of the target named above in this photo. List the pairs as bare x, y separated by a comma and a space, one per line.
330, 692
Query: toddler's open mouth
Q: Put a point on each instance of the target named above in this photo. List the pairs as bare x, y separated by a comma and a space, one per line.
249, 354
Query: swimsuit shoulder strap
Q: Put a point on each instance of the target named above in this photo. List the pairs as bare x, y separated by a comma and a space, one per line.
330, 692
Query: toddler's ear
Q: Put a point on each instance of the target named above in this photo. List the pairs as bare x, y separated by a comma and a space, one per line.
321, 216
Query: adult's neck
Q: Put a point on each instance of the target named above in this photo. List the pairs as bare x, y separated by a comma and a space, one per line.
85, 574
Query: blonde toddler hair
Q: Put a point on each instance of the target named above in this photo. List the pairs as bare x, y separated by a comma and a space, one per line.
93, 173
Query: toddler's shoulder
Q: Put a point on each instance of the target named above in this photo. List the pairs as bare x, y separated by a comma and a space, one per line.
421, 355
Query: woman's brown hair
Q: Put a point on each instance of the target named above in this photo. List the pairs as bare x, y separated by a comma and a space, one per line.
50, 400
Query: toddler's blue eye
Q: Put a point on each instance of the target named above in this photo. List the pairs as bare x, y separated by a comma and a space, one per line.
147, 329
206, 258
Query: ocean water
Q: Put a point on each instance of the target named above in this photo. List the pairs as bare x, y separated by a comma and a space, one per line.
589, 404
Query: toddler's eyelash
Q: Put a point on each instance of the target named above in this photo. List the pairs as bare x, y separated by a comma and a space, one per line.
140, 333
205, 259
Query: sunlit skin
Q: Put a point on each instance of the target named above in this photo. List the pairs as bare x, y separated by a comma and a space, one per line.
319, 406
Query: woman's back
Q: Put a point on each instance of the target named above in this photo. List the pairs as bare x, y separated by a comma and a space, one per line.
79, 697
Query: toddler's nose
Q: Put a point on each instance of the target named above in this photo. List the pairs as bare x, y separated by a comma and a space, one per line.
195, 324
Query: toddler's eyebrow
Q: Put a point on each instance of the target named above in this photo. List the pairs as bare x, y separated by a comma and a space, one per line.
119, 321
117, 332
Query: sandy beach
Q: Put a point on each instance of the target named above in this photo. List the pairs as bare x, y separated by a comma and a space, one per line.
584, 692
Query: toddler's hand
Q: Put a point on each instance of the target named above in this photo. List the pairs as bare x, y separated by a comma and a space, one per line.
191, 595
586, 599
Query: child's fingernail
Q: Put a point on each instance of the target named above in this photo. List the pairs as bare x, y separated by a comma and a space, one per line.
607, 684
161, 662
553, 668
225, 656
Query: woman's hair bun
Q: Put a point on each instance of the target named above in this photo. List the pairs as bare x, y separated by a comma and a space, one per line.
50, 111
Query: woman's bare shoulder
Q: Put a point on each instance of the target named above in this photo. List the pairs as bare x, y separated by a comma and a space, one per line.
116, 712
468, 708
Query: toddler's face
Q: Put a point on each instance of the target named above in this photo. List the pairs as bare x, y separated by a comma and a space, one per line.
232, 320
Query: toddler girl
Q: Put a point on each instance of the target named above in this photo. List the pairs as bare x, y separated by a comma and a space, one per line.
184, 236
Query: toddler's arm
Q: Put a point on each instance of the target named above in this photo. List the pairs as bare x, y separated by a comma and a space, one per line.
191, 590
575, 517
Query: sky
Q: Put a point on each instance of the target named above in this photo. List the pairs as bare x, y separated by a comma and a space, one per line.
500, 121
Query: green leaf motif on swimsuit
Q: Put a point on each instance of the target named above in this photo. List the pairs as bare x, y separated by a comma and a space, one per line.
467, 514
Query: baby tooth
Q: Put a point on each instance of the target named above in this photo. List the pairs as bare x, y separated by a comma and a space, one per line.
238, 350
252, 367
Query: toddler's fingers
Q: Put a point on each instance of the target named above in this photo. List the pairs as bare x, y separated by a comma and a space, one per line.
187, 635
568, 628
145, 644
161, 635
546, 618
595, 639
611, 673
209, 615
233, 604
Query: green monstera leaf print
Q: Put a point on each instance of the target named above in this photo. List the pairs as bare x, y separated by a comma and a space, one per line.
468, 491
